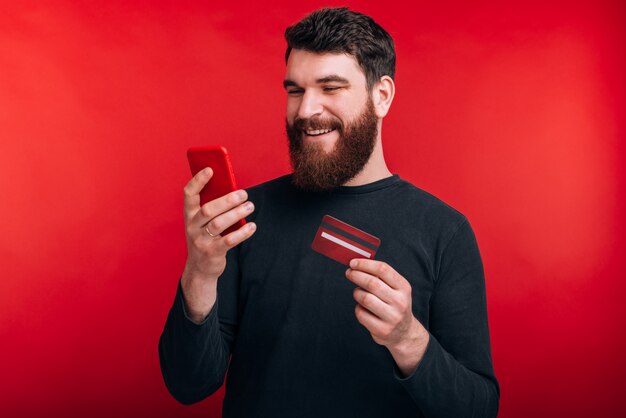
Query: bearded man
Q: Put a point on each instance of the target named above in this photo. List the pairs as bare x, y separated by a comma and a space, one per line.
301, 335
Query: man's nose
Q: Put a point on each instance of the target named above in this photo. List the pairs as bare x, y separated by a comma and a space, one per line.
310, 105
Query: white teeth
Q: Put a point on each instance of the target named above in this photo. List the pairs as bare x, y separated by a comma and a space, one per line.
318, 132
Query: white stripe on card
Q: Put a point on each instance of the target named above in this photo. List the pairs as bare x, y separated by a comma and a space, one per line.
346, 244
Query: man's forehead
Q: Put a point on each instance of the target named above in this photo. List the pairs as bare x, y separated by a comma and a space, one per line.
305, 66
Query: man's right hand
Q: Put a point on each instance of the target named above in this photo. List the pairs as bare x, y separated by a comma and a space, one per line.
206, 254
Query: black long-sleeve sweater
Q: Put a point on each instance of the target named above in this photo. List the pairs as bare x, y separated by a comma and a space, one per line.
285, 314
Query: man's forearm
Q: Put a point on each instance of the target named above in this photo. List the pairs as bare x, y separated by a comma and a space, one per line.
193, 357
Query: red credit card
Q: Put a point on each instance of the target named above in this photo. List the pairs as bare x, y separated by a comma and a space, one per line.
343, 242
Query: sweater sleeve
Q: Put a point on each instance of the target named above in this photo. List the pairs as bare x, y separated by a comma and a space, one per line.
194, 357
455, 377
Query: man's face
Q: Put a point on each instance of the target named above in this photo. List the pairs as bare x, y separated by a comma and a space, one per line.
331, 123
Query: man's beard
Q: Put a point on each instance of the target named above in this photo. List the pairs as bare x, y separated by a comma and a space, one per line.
316, 170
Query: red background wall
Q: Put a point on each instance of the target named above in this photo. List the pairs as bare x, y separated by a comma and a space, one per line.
514, 114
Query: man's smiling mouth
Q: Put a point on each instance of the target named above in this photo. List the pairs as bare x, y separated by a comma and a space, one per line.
318, 132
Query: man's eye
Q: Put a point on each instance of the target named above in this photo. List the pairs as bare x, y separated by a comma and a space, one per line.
331, 88
294, 92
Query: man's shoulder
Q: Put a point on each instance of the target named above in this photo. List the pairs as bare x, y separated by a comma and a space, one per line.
419, 209
427, 201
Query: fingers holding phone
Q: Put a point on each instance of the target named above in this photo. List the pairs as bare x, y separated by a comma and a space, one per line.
206, 248
201, 214
218, 224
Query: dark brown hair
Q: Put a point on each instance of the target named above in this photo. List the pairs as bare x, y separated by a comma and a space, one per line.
341, 30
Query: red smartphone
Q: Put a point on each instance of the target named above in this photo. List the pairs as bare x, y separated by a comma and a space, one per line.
223, 180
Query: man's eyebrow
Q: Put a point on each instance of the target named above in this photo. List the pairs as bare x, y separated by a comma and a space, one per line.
333, 78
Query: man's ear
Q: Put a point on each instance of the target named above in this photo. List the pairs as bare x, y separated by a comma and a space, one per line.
382, 95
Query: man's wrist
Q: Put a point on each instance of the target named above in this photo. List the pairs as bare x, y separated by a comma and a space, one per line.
199, 296
409, 352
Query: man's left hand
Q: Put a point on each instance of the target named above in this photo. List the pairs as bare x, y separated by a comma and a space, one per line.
384, 304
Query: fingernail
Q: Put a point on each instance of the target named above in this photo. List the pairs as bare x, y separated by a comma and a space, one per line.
207, 171
251, 226
353, 263
241, 195
248, 206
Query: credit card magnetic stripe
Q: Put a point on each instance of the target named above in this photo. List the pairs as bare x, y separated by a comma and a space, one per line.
332, 228
349, 229
345, 244
342, 242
